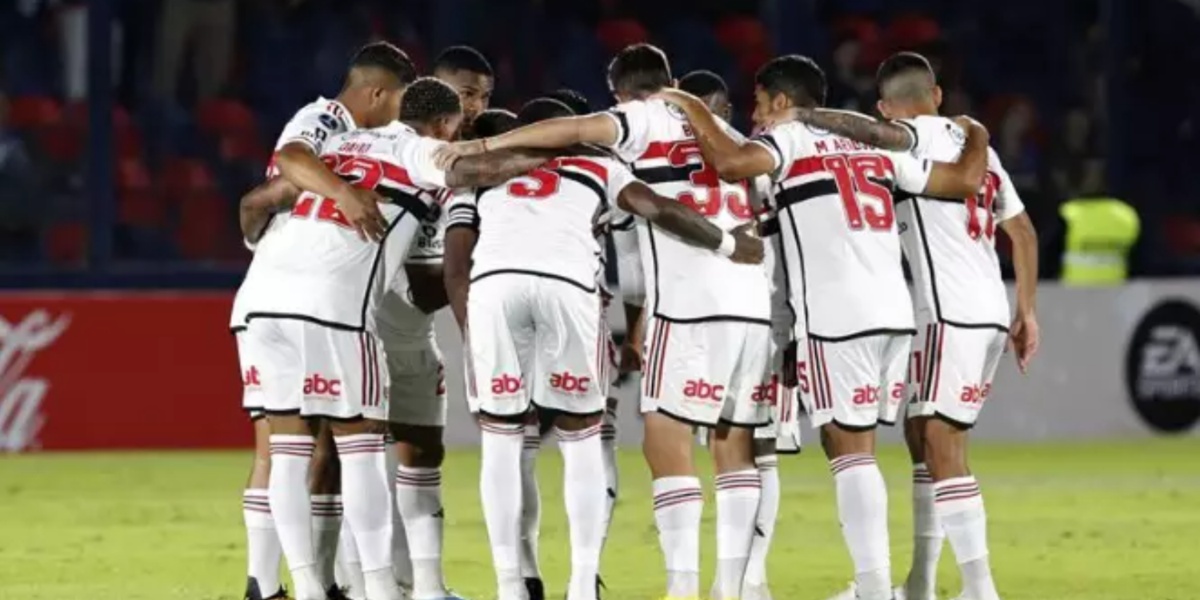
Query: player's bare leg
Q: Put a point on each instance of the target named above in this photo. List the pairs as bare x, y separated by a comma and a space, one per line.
500, 468
862, 508
678, 501
263, 551
928, 536
292, 440
959, 506
324, 486
531, 510
367, 498
585, 499
739, 489
419, 501
754, 585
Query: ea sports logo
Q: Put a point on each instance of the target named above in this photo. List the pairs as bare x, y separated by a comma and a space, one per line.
703, 390
1162, 366
315, 385
506, 385
567, 382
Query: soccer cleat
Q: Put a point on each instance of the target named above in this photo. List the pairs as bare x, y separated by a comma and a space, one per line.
901, 594
756, 592
600, 583
536, 590
254, 593
336, 593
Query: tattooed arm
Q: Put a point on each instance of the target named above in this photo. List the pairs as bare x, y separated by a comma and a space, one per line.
888, 135
493, 168
676, 218
260, 203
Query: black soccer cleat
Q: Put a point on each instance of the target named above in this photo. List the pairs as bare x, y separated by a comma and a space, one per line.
600, 587
253, 592
536, 590
336, 593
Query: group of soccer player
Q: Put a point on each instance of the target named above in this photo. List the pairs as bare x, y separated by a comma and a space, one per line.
757, 274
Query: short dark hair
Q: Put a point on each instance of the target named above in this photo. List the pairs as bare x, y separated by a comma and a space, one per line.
540, 109
428, 99
640, 68
902, 63
703, 83
463, 58
797, 77
493, 121
382, 55
576, 101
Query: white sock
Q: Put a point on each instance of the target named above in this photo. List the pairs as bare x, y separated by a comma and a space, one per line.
500, 490
764, 526
366, 499
678, 505
738, 493
862, 509
419, 500
586, 501
327, 528
608, 440
531, 504
960, 509
292, 511
927, 538
263, 552
401, 562
348, 568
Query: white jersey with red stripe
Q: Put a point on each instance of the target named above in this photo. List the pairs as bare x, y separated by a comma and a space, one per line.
685, 283
838, 230
320, 270
951, 243
313, 125
543, 223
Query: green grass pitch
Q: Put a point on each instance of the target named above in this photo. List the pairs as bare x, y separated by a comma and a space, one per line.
1094, 521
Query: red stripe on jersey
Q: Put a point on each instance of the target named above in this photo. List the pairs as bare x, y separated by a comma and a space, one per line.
806, 166
657, 150
592, 167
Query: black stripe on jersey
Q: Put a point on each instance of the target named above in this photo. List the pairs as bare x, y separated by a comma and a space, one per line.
862, 334
300, 317
236, 329
585, 181
902, 196
710, 318
787, 277
626, 224
652, 175
556, 277
623, 125
654, 263
960, 325
912, 131
769, 227
375, 263
931, 358
410, 203
806, 191
770, 139
922, 235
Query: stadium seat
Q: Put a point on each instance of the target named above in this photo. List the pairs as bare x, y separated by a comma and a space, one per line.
243, 147
913, 31
615, 34
77, 115
742, 35
203, 227
132, 175
220, 117
34, 112
128, 140
140, 208
184, 177
61, 144
66, 243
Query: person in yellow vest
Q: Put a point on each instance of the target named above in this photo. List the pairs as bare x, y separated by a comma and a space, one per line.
1100, 232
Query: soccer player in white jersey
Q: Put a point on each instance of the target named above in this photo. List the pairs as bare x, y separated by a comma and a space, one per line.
533, 321
842, 257
709, 322
377, 75
963, 319
316, 330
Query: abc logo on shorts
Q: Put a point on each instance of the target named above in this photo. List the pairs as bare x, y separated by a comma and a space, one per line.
1162, 366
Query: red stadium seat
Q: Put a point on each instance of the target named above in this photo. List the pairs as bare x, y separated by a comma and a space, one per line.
140, 208
185, 177
132, 175
128, 141
1182, 235
66, 243
77, 115
61, 144
913, 31
219, 117
204, 223
243, 147
742, 35
34, 112
615, 34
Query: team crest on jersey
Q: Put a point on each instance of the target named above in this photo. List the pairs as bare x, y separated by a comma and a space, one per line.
675, 112
956, 133
328, 121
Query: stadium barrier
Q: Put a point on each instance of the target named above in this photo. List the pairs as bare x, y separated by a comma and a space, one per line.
129, 370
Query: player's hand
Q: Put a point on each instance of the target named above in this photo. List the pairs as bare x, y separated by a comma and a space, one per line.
749, 248
445, 156
361, 209
631, 358
1023, 339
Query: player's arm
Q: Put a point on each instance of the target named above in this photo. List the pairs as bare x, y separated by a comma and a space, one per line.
733, 160
964, 177
1023, 334
260, 203
600, 129
633, 291
299, 164
493, 167
675, 218
462, 231
888, 135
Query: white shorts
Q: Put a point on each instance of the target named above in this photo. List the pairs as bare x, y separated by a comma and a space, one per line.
535, 338
785, 417
418, 386
708, 372
856, 383
252, 396
314, 370
952, 370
